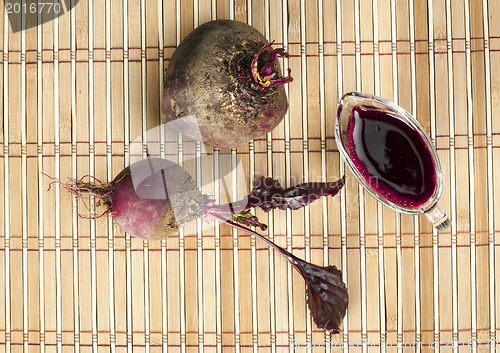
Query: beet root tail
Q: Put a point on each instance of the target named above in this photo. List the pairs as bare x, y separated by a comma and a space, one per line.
90, 191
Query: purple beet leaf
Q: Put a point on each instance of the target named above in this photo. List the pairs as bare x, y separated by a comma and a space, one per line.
326, 292
327, 296
268, 194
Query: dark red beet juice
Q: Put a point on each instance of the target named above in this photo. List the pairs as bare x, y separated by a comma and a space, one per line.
392, 157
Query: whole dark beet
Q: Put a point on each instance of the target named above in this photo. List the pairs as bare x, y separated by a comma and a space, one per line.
223, 85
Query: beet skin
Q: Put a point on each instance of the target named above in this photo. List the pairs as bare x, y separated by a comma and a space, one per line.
150, 199
223, 85
153, 197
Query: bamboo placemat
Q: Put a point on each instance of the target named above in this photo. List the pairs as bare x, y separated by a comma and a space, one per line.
78, 89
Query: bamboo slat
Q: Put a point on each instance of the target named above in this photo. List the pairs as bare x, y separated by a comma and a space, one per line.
81, 94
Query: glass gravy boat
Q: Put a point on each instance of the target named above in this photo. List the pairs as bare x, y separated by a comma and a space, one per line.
390, 155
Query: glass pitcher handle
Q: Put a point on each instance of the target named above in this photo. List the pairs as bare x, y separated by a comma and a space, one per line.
438, 218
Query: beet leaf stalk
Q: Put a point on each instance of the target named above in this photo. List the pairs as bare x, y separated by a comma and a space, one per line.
153, 198
327, 296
